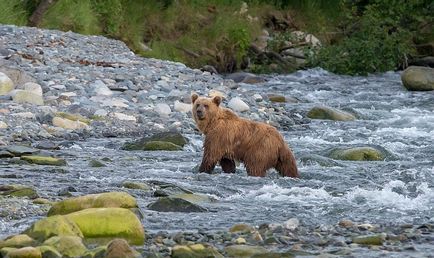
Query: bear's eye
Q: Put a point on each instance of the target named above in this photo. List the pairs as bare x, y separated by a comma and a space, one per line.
197, 105
206, 106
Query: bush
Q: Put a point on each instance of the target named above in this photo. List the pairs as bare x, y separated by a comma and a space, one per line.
380, 37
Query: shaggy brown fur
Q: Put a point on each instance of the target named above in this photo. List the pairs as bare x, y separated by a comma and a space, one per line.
229, 137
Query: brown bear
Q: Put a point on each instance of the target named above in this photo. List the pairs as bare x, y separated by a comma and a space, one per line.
229, 138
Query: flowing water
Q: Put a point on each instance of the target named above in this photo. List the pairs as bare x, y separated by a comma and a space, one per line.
399, 190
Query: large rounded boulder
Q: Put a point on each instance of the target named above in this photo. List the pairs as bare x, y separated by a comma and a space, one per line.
418, 78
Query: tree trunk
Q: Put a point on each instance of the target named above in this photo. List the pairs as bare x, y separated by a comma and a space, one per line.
36, 17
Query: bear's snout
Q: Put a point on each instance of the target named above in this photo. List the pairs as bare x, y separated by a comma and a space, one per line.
200, 114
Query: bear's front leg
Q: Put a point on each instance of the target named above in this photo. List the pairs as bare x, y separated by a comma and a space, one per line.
228, 165
211, 155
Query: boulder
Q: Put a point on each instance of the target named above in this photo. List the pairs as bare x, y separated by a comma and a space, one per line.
24, 96
94, 163
171, 204
118, 248
244, 77
163, 109
238, 105
195, 251
276, 98
182, 107
22, 240
33, 87
193, 198
102, 200
328, 113
41, 160
106, 223
49, 251
19, 150
69, 246
418, 78
25, 252
69, 124
53, 226
6, 84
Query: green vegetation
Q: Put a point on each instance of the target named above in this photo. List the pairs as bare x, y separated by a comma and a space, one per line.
358, 37
379, 36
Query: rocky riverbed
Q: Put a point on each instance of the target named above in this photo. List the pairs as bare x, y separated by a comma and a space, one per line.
73, 109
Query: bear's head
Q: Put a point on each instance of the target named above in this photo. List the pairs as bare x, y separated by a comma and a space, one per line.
205, 108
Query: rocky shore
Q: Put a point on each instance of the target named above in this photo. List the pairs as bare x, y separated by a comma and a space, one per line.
61, 88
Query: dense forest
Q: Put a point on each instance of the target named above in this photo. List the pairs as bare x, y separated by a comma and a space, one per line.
346, 37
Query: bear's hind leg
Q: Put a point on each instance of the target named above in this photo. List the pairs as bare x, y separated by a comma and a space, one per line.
255, 171
228, 165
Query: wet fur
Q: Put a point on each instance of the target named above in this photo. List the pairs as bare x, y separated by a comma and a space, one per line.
229, 137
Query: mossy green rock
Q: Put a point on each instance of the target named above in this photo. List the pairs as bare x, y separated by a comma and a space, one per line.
21, 240
42, 160
49, 252
102, 200
376, 239
160, 145
170, 204
195, 251
241, 228
70, 246
357, 154
53, 226
328, 113
18, 191
417, 78
137, 185
168, 137
242, 251
25, 252
107, 223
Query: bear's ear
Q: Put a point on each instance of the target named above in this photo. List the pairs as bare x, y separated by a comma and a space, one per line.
217, 100
194, 97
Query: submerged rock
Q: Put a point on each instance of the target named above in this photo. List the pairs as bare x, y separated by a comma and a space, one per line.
246, 251
167, 137
69, 246
137, 185
170, 204
159, 145
41, 160
102, 200
417, 78
195, 251
376, 239
329, 113
18, 191
363, 153
94, 163
105, 223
